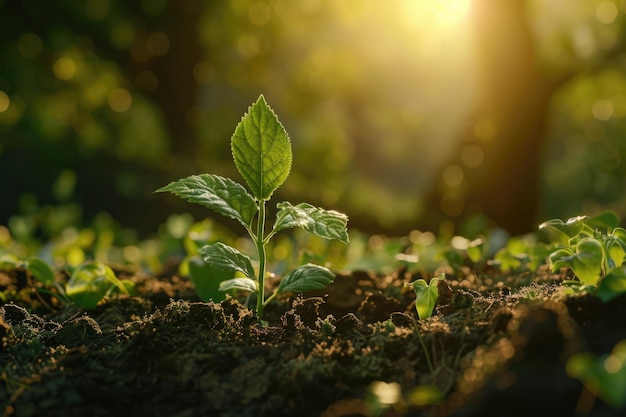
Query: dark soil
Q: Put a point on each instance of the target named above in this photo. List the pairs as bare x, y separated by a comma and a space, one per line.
497, 346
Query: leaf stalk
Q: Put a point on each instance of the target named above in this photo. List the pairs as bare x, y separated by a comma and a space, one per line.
260, 245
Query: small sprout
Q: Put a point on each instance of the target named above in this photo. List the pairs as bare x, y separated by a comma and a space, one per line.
390, 327
88, 283
262, 153
425, 295
326, 326
92, 281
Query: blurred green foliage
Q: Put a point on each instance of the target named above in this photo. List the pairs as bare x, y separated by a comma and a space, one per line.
101, 101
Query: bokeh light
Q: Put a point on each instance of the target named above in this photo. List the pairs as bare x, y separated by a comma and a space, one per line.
396, 112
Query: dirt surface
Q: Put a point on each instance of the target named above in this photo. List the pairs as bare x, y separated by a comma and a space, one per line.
497, 346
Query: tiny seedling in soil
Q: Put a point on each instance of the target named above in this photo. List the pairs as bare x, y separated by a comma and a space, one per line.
262, 153
426, 295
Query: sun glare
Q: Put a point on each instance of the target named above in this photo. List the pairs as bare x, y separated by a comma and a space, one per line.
444, 13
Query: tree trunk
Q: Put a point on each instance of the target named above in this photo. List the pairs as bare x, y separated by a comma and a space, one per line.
499, 153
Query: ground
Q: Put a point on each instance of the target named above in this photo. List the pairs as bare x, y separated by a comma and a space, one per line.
496, 346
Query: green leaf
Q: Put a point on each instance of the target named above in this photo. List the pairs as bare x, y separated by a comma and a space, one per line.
41, 270
306, 278
207, 279
222, 195
585, 261
612, 285
572, 228
245, 284
224, 257
9, 261
454, 258
506, 261
327, 224
615, 252
262, 150
620, 233
606, 220
475, 250
426, 296
90, 282
604, 375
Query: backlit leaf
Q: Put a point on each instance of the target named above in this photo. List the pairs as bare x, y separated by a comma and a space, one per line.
426, 295
245, 284
224, 257
222, 195
262, 150
41, 270
90, 282
327, 224
9, 261
585, 261
571, 228
306, 278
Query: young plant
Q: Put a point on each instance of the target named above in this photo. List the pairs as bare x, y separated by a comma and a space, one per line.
592, 247
426, 295
88, 284
261, 150
92, 281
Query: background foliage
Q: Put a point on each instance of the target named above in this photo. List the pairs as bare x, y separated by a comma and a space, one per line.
104, 101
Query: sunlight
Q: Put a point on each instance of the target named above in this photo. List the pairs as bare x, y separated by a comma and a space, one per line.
446, 13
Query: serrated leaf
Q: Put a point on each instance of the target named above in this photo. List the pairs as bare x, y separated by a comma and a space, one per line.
327, 224
262, 150
306, 278
41, 270
245, 284
227, 258
219, 194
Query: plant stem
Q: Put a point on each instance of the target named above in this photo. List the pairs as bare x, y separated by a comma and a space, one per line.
260, 245
426, 354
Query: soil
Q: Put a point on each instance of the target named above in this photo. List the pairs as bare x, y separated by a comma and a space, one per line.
496, 346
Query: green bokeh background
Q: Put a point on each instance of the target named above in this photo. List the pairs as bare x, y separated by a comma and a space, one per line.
104, 101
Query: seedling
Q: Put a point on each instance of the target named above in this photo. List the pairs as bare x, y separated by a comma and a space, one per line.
262, 153
426, 295
37, 269
92, 281
88, 284
594, 248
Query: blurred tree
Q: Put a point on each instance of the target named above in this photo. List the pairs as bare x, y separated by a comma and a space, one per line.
495, 169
